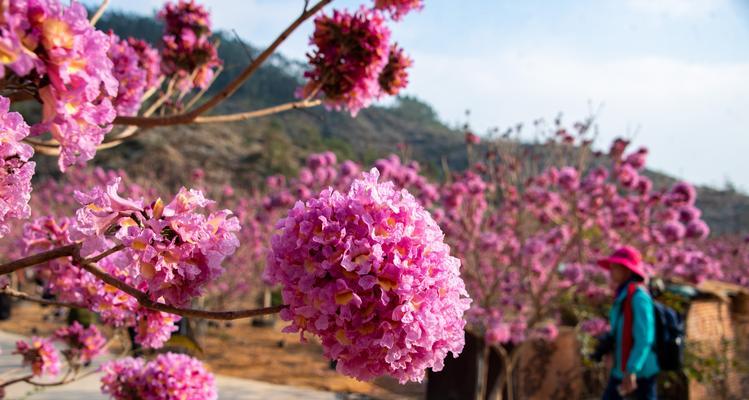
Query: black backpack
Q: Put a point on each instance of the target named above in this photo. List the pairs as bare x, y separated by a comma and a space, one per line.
669, 337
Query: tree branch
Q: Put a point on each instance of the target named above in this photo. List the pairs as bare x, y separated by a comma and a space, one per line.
16, 380
89, 265
105, 254
231, 88
51, 148
203, 91
257, 113
145, 301
64, 251
25, 296
99, 12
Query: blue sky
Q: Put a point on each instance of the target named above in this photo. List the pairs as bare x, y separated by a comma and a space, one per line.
672, 75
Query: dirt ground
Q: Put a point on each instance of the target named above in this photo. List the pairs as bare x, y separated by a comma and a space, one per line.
245, 351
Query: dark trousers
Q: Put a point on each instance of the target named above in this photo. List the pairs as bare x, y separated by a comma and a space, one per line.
647, 389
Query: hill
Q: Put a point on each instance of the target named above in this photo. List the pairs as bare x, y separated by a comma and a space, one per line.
242, 153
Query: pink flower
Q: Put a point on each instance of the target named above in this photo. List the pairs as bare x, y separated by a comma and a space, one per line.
15, 168
398, 8
174, 249
40, 355
682, 194
168, 377
627, 176
394, 76
60, 45
644, 185
154, 328
75, 121
72, 284
697, 229
673, 231
351, 53
149, 60
350, 168
188, 51
129, 73
83, 343
547, 332
472, 138
618, 146
688, 214
498, 333
177, 377
637, 160
122, 378
13, 52
569, 178
369, 274
595, 326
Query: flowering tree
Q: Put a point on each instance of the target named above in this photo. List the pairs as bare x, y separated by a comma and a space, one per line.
103, 243
529, 238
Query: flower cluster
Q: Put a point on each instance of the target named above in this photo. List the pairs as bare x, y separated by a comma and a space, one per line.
83, 344
131, 77
44, 38
72, 284
149, 60
172, 248
122, 378
399, 8
369, 274
351, 51
137, 67
40, 354
168, 377
258, 211
15, 168
407, 176
188, 51
732, 252
322, 170
394, 76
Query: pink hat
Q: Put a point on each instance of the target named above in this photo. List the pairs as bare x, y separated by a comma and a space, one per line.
627, 257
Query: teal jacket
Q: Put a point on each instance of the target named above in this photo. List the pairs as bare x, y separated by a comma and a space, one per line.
642, 358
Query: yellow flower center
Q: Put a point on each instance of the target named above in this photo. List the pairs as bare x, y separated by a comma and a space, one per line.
56, 33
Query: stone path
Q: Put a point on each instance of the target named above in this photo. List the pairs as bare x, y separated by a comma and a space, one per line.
88, 388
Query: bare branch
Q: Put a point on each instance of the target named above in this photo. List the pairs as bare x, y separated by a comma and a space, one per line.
52, 148
205, 89
64, 251
16, 380
105, 254
25, 296
144, 300
244, 46
257, 113
231, 88
99, 12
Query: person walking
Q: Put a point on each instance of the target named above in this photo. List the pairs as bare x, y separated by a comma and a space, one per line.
634, 373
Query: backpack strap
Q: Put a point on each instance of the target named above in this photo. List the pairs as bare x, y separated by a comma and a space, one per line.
627, 337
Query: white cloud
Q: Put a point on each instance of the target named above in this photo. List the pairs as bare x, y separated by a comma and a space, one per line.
690, 114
